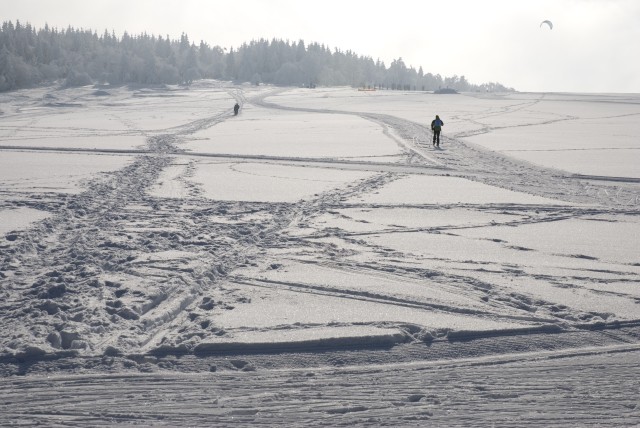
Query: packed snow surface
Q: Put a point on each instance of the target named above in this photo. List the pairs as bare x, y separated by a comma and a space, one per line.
318, 253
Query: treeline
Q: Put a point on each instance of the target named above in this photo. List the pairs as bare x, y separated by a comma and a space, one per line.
30, 57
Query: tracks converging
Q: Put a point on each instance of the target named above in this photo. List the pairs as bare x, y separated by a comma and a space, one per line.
156, 268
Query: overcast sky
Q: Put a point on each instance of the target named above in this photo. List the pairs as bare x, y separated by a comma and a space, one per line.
593, 46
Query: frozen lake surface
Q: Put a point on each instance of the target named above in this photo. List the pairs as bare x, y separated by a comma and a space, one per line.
315, 260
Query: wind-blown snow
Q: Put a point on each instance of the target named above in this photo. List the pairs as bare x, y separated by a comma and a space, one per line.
446, 190
19, 218
247, 181
53, 172
295, 134
151, 230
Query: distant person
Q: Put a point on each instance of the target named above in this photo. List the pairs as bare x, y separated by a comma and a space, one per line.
236, 108
436, 127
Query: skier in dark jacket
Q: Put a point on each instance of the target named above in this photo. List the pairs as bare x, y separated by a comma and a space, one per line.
436, 127
236, 108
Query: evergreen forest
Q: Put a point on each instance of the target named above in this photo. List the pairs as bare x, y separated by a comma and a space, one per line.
30, 57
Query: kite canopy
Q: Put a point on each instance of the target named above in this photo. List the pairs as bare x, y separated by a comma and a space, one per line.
549, 23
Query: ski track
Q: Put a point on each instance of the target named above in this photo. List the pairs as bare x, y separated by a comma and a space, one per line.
567, 389
95, 271
475, 163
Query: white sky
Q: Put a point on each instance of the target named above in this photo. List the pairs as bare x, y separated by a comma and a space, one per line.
593, 46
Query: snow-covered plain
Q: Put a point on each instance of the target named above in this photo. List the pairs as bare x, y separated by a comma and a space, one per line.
315, 260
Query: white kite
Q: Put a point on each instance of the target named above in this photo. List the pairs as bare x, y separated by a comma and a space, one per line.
549, 23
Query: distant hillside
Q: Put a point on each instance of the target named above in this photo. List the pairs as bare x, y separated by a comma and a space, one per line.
29, 57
